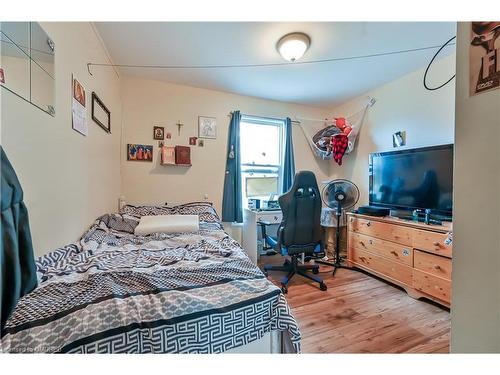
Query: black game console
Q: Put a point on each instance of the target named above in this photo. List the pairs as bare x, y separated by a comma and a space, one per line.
373, 211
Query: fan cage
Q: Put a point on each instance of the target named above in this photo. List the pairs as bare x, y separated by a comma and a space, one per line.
332, 203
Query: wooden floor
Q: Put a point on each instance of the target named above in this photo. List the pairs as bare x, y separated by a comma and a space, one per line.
363, 314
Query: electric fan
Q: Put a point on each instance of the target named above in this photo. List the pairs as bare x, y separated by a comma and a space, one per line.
339, 195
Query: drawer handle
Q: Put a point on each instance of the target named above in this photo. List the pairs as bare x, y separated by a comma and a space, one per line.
437, 267
437, 244
394, 253
362, 259
352, 219
368, 224
362, 243
370, 242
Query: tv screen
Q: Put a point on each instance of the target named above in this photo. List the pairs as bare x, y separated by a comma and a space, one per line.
413, 179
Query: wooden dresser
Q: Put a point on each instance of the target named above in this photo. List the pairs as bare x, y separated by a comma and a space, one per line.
410, 254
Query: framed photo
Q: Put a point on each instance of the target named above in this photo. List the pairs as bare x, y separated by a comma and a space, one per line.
168, 155
168, 135
192, 141
100, 113
158, 133
137, 152
78, 92
201, 143
207, 127
399, 139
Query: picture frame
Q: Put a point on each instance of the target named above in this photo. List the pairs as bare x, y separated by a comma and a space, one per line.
158, 133
192, 141
207, 127
139, 152
399, 139
100, 113
167, 155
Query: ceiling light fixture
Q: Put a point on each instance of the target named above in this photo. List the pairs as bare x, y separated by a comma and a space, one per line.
293, 46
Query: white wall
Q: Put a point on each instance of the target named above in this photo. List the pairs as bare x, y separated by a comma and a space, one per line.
147, 103
404, 104
68, 179
475, 310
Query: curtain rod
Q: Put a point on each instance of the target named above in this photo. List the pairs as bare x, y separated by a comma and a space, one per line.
266, 117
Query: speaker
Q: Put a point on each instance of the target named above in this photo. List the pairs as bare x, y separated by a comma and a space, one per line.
373, 211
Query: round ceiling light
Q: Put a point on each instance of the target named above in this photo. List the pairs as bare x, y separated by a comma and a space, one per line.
293, 46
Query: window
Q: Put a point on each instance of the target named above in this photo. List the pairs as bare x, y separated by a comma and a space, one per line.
261, 143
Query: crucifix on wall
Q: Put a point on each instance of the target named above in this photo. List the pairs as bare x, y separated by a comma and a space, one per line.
179, 126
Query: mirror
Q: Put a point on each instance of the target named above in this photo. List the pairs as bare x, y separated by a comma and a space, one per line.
42, 69
27, 65
15, 60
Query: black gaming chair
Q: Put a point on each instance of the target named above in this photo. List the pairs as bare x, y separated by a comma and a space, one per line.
300, 231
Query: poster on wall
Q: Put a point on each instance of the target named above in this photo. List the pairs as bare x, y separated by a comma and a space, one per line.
78, 110
484, 57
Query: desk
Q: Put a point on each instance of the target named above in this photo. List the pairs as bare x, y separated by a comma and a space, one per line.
250, 228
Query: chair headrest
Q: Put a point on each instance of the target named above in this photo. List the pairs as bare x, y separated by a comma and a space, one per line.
305, 180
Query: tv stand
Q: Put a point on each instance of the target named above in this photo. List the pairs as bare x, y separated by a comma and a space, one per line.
413, 255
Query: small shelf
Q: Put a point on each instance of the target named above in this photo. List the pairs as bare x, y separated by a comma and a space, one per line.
177, 165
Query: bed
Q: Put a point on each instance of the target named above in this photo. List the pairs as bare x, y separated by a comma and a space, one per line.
115, 292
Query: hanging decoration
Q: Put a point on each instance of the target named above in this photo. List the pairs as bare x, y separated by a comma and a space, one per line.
337, 137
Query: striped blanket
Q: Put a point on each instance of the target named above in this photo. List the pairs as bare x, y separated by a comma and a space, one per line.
114, 292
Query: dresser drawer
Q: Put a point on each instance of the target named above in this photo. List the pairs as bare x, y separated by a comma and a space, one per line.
394, 270
432, 285
385, 231
432, 241
391, 250
433, 264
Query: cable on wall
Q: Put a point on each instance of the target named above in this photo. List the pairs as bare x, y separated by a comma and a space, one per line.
226, 66
430, 63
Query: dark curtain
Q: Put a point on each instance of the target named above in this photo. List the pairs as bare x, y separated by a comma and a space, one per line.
232, 210
288, 159
17, 264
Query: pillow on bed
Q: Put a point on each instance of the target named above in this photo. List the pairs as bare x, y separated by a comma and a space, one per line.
167, 224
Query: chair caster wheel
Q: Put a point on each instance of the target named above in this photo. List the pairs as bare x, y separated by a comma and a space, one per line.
315, 271
323, 287
307, 259
284, 289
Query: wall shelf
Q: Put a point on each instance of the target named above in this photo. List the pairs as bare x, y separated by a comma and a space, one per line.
176, 165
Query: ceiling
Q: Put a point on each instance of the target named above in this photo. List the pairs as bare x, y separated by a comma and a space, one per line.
317, 84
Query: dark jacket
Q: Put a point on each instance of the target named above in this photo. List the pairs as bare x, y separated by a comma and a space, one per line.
17, 264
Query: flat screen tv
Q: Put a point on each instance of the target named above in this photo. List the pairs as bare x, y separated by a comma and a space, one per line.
413, 179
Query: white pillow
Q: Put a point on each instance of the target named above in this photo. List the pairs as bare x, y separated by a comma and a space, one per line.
167, 224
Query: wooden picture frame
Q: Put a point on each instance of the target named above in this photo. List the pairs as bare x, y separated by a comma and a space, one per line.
158, 133
207, 127
100, 113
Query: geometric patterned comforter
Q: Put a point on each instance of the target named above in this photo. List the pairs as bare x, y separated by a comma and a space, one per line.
114, 292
